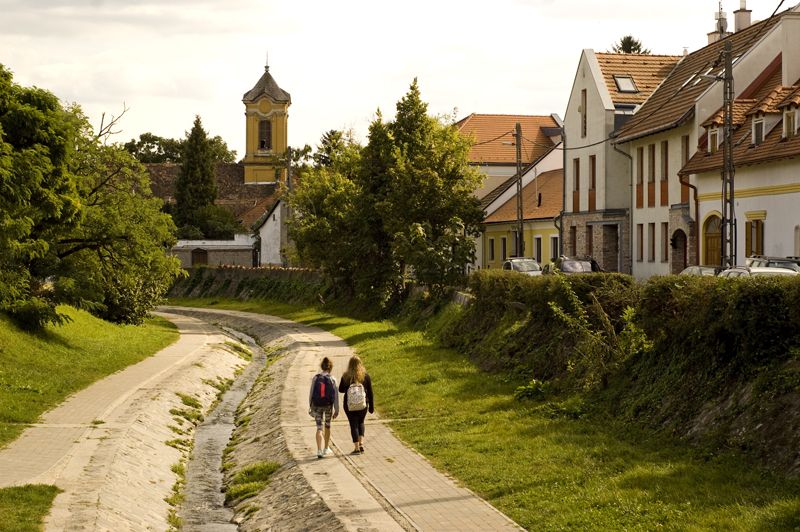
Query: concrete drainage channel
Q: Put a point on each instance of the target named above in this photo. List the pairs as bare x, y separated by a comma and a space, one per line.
204, 507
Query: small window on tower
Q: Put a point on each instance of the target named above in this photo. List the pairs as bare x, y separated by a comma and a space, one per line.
264, 135
625, 84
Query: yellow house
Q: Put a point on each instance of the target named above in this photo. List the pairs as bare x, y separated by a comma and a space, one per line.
542, 200
267, 115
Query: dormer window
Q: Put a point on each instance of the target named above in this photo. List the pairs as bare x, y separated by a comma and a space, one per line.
758, 131
713, 140
625, 84
789, 123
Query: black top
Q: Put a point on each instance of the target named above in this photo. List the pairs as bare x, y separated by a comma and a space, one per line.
345, 384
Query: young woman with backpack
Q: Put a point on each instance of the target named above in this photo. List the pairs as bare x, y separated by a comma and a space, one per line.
323, 403
357, 387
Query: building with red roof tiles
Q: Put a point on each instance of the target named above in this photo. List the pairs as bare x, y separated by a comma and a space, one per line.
674, 141
607, 90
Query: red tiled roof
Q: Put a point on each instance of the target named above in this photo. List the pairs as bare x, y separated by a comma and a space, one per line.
647, 71
494, 137
769, 103
549, 184
773, 148
793, 98
740, 110
673, 101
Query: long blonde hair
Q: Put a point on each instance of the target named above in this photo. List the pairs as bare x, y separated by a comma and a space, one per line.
355, 370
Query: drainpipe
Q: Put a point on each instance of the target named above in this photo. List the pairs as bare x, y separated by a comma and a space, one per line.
696, 217
560, 224
633, 202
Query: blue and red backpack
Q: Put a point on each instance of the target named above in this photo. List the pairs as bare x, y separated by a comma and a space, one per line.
324, 391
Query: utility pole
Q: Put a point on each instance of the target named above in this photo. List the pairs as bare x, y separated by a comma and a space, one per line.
520, 235
728, 228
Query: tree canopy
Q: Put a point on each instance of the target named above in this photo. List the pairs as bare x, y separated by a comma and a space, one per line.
152, 148
401, 205
78, 222
629, 45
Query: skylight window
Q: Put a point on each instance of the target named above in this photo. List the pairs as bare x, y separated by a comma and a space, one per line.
625, 84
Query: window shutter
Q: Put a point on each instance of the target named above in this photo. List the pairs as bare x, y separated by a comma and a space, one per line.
748, 231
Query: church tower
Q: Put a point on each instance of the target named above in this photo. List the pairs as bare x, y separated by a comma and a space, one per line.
266, 115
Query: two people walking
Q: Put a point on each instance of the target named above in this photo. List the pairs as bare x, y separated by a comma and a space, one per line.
324, 402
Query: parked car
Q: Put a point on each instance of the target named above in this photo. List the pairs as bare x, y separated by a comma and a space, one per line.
791, 263
523, 265
756, 271
706, 271
568, 265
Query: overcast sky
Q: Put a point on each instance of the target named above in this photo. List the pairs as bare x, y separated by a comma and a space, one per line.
340, 60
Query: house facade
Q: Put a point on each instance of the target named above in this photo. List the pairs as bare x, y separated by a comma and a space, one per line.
607, 90
494, 154
673, 219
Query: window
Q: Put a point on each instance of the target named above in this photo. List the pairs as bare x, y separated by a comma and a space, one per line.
664, 160
797, 240
537, 249
264, 135
576, 173
651, 242
758, 131
503, 248
684, 150
789, 124
589, 240
625, 84
517, 252
491, 249
554, 251
639, 165
592, 172
664, 242
583, 113
713, 140
651, 163
573, 240
754, 237
639, 242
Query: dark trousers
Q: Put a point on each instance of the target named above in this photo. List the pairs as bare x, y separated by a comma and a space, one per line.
356, 420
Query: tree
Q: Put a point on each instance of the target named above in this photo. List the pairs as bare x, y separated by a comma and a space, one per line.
196, 187
405, 202
151, 148
78, 223
629, 45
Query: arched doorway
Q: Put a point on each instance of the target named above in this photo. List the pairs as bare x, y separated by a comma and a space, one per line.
679, 251
199, 257
712, 241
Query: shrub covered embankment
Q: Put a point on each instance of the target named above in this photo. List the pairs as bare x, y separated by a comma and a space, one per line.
712, 360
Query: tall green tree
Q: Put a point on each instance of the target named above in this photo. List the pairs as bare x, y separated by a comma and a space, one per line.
629, 45
78, 223
196, 187
409, 206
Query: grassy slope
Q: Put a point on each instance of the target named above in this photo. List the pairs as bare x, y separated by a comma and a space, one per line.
38, 371
543, 463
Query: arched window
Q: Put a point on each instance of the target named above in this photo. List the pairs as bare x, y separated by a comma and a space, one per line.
797, 240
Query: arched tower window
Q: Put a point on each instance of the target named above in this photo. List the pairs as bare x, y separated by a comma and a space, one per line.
264, 135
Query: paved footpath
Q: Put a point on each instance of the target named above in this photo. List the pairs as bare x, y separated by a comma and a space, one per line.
105, 445
390, 487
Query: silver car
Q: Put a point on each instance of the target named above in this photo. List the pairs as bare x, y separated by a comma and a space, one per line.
523, 265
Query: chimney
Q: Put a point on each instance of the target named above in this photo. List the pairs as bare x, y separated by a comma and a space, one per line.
742, 20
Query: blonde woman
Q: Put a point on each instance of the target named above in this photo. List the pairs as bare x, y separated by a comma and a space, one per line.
357, 401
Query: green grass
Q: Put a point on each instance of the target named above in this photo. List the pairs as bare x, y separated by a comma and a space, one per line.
249, 481
24, 507
547, 464
38, 371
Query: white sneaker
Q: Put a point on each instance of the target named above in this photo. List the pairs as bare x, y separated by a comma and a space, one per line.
319, 453
328, 451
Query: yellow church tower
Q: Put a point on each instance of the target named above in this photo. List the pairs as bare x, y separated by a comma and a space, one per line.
266, 115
